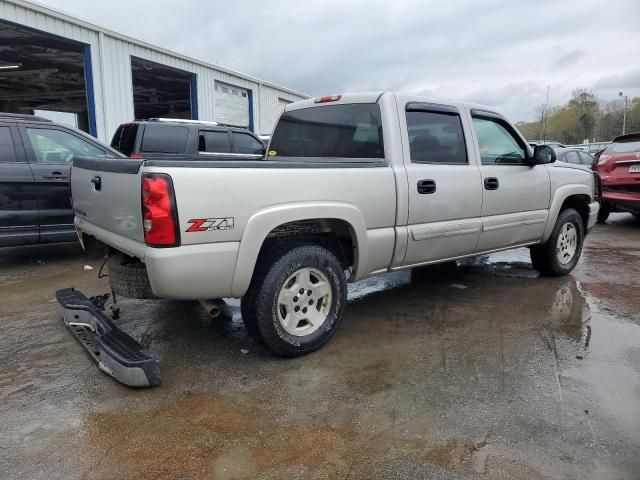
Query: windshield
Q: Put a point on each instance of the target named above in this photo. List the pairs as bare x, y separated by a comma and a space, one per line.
335, 131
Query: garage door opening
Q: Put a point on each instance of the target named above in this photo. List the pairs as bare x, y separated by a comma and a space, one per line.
45, 74
162, 92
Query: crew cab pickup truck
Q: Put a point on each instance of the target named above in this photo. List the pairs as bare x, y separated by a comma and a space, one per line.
352, 186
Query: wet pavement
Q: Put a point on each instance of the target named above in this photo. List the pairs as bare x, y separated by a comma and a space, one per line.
483, 370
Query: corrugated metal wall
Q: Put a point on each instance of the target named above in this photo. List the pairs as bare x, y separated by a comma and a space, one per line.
113, 91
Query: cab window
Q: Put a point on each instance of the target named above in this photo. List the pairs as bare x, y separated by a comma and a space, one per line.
436, 138
497, 145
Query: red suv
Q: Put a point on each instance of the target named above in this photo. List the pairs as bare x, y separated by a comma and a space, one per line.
619, 169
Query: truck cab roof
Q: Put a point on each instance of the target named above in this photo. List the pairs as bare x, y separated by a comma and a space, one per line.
374, 97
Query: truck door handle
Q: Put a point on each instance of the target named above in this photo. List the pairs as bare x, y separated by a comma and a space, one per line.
56, 176
426, 186
97, 182
491, 183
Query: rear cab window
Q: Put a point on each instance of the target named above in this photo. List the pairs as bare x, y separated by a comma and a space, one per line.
164, 139
347, 131
436, 137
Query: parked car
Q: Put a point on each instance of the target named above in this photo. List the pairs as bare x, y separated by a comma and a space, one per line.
619, 169
164, 138
574, 156
353, 186
36, 155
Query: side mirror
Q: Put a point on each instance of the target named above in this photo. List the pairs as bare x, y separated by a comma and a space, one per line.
262, 151
543, 154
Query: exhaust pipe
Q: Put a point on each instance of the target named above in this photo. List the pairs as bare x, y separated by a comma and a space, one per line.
212, 307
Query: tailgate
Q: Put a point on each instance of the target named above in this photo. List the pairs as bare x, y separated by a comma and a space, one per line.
106, 194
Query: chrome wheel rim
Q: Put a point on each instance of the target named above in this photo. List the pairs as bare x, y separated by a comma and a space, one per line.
304, 301
567, 243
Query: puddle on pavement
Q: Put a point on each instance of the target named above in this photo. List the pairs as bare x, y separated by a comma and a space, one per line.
431, 364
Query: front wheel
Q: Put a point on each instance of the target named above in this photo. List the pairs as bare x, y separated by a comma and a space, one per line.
296, 299
561, 252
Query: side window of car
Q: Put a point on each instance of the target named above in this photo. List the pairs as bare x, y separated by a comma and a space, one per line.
58, 147
164, 139
497, 145
214, 141
585, 158
436, 137
245, 143
572, 157
7, 149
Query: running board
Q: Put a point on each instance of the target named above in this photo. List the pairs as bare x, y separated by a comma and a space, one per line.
115, 352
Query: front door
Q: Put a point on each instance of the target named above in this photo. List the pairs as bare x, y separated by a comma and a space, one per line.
445, 196
515, 195
18, 201
51, 152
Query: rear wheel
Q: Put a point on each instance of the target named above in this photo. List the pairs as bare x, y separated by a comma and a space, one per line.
604, 212
561, 252
296, 299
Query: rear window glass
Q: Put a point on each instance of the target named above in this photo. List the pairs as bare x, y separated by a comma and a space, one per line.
211, 141
335, 131
124, 140
624, 147
164, 139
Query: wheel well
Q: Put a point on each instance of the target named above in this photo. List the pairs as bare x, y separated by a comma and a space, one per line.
335, 235
579, 203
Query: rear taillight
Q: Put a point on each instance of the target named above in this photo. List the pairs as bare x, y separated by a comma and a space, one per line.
136, 155
159, 213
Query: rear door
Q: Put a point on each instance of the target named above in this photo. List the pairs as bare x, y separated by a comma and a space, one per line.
51, 150
515, 195
445, 196
18, 201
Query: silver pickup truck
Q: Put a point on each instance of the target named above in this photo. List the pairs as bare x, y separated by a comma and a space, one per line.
352, 186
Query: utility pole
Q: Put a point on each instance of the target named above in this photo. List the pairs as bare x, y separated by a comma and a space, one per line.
544, 117
624, 113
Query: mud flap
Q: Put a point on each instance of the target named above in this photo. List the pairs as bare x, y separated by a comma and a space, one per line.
115, 352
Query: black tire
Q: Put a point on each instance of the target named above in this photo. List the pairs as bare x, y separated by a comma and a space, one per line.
128, 277
604, 212
544, 257
260, 304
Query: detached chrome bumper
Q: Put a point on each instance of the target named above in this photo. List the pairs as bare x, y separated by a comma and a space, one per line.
115, 352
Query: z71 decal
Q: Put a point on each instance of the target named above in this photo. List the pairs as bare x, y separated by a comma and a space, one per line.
209, 224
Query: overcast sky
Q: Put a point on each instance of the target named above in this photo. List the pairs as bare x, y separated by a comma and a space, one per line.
501, 53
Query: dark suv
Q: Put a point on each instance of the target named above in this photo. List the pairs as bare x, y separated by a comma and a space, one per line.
35, 160
169, 138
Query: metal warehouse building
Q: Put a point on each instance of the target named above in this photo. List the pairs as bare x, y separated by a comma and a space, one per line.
52, 62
